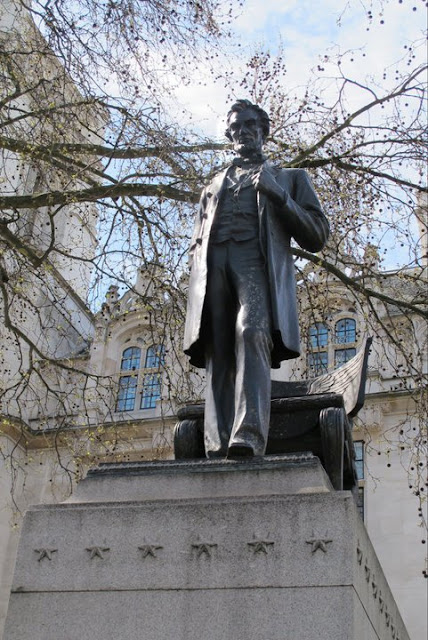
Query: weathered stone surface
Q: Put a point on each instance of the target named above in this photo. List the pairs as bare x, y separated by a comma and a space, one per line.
272, 566
284, 474
225, 614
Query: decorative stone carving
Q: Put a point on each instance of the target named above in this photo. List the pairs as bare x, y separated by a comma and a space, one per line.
367, 571
150, 550
374, 587
387, 617
260, 546
319, 543
97, 552
203, 548
45, 553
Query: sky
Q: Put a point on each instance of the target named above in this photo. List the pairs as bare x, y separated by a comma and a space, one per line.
307, 30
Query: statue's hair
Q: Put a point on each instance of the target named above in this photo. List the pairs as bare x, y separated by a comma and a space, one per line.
240, 105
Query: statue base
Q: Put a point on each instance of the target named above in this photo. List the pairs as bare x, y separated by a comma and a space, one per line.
202, 550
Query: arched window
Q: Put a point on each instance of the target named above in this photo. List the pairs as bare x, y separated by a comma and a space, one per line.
131, 358
324, 352
345, 331
134, 378
127, 392
155, 356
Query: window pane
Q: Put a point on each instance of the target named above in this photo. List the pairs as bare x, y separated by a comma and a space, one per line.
126, 394
341, 356
318, 335
131, 359
360, 502
359, 458
318, 363
155, 356
151, 391
345, 331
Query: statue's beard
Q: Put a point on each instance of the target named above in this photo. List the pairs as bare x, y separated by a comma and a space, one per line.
248, 149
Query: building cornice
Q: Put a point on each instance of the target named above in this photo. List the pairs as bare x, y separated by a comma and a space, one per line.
28, 439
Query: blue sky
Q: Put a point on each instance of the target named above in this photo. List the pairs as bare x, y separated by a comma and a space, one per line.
308, 30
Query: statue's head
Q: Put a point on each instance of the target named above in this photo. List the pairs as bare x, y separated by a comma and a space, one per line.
247, 127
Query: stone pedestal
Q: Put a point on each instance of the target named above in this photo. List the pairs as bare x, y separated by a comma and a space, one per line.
261, 550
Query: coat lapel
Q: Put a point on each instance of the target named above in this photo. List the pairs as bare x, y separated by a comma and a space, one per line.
215, 187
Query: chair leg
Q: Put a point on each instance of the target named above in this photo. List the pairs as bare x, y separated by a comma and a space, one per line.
332, 422
188, 440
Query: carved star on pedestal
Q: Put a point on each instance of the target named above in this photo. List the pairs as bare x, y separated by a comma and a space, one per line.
319, 543
45, 553
359, 554
203, 548
97, 552
381, 602
387, 617
260, 546
374, 587
367, 571
149, 550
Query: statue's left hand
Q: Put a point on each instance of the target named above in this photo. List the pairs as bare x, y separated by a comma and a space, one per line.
264, 181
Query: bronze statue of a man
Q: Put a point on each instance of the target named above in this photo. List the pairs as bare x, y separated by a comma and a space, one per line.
242, 309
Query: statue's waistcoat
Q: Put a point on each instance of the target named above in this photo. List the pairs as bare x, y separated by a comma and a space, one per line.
237, 215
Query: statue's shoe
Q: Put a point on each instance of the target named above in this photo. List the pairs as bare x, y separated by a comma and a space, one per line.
239, 451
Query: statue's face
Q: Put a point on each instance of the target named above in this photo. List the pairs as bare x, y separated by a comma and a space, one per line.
246, 132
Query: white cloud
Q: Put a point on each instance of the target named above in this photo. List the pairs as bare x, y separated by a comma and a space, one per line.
307, 30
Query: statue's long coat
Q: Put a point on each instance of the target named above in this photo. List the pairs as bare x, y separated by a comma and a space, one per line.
300, 217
